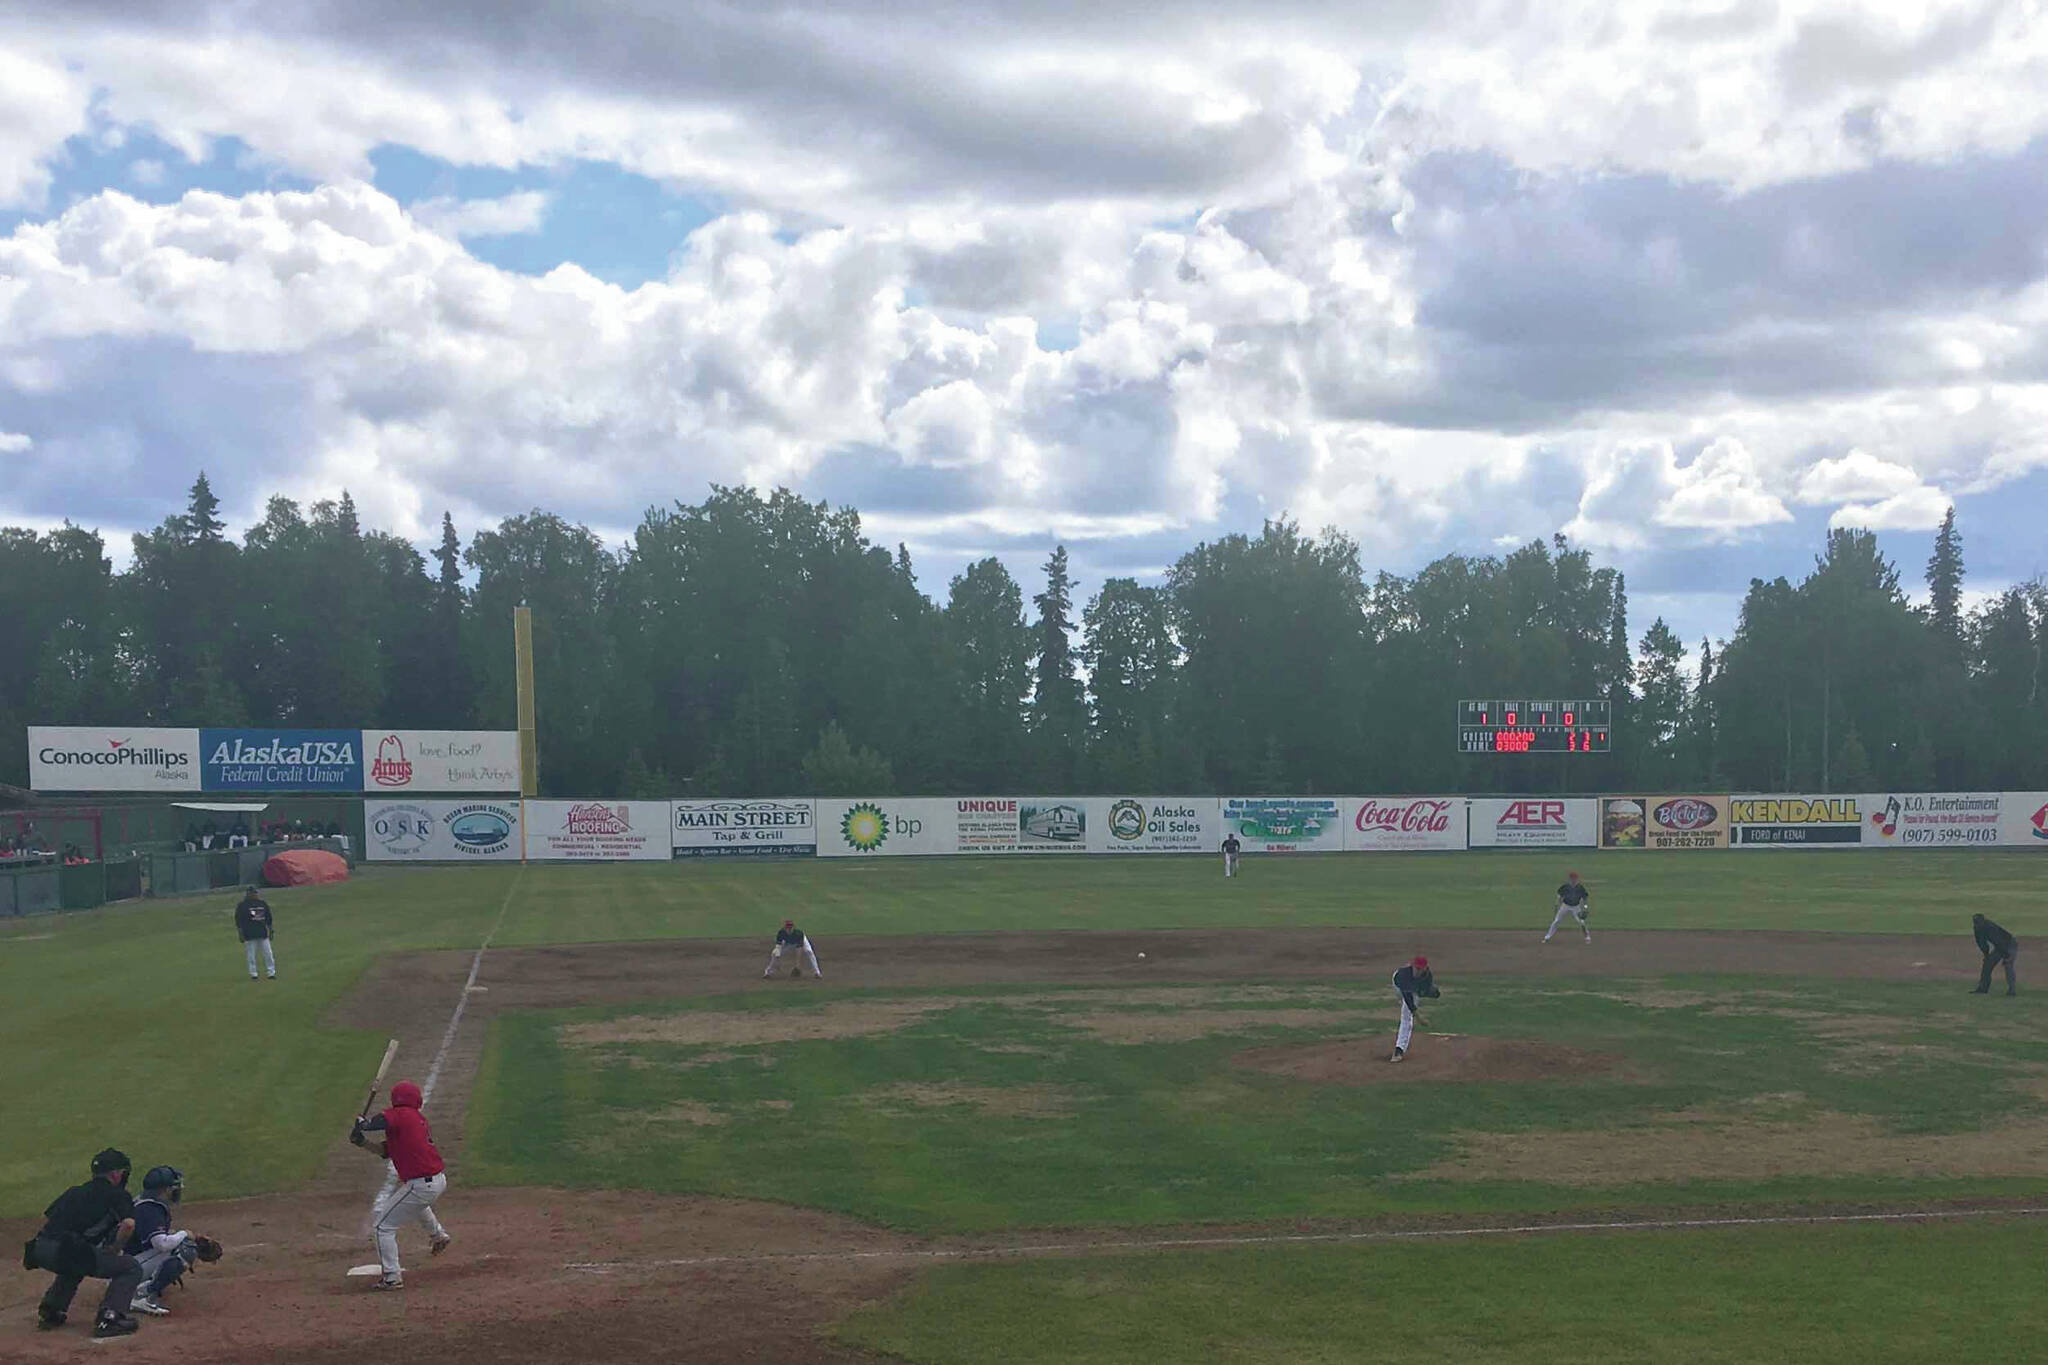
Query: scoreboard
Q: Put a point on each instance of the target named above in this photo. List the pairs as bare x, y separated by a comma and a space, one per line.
1555, 726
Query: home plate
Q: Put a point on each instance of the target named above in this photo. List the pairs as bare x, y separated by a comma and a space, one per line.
371, 1269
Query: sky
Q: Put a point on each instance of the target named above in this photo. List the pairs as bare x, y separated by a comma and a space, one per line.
1689, 284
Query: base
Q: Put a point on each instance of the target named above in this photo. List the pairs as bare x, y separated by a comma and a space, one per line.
371, 1269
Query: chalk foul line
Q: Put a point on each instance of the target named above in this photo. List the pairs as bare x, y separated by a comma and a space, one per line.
1043, 1249
448, 1036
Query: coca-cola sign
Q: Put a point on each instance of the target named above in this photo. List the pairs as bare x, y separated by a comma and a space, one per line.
1385, 824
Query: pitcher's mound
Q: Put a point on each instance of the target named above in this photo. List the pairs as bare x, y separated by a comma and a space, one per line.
1363, 1061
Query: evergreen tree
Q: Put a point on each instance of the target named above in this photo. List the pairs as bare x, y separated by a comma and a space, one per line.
1662, 713
1058, 718
835, 768
1945, 584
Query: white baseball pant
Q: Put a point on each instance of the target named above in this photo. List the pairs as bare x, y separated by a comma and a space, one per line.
1230, 864
1565, 914
809, 957
1407, 1024
412, 1201
249, 946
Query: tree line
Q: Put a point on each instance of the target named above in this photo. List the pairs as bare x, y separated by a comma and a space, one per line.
756, 645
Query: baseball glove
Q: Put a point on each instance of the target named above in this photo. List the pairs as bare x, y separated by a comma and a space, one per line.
209, 1250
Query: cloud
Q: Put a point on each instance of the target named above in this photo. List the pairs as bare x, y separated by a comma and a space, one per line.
1919, 508
1634, 493
14, 443
510, 215
1855, 476
42, 103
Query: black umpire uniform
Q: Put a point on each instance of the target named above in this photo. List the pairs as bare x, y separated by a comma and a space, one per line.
1997, 946
81, 1239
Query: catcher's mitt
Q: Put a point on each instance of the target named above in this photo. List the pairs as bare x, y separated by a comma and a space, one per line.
209, 1250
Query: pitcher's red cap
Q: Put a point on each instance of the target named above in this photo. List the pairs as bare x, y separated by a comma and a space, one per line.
1421, 964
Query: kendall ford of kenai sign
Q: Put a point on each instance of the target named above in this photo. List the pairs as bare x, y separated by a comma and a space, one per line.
281, 760
743, 829
78, 758
1796, 821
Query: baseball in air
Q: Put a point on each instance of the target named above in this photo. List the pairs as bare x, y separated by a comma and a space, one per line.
1141, 955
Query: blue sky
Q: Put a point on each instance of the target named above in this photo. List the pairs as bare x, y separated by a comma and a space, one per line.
1689, 289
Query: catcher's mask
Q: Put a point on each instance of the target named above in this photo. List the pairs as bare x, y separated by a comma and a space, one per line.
167, 1180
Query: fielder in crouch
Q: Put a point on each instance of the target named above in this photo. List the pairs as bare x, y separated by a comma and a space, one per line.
1409, 982
409, 1147
1573, 901
792, 938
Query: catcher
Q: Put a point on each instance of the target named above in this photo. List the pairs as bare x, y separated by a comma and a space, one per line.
163, 1252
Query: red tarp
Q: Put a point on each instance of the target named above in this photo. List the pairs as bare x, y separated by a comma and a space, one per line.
305, 867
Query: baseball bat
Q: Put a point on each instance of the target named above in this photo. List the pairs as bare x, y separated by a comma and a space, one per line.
390, 1051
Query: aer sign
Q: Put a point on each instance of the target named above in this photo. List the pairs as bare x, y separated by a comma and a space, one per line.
1533, 822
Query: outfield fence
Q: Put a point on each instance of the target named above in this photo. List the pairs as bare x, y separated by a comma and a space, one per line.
501, 830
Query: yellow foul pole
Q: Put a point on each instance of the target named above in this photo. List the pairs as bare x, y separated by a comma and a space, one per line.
529, 744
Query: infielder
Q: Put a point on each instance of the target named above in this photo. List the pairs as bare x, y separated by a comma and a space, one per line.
1230, 851
164, 1252
1410, 981
792, 938
409, 1147
1573, 901
254, 922
1998, 946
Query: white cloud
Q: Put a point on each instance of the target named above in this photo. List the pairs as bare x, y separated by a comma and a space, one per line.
42, 103
1917, 509
1636, 495
1856, 476
511, 215
14, 443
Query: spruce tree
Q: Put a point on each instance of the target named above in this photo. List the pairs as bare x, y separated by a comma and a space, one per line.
1945, 583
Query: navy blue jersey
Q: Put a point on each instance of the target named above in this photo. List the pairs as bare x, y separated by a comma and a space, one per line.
152, 1216
1230, 844
1992, 938
253, 918
1412, 983
792, 937
1573, 893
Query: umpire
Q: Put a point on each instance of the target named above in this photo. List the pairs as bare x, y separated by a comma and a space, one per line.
1997, 946
82, 1236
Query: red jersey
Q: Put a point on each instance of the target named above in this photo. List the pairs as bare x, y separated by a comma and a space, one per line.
406, 1139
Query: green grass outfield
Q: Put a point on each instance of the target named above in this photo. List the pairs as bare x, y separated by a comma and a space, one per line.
1852, 1294
136, 1025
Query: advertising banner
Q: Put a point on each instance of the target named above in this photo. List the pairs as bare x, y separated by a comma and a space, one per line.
1285, 824
741, 828
441, 831
1934, 819
2023, 820
597, 831
1021, 824
1664, 822
887, 826
80, 758
441, 760
1796, 821
1534, 822
1153, 824
281, 760
1404, 824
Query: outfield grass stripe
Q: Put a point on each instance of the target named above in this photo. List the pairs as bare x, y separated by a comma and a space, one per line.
1029, 1250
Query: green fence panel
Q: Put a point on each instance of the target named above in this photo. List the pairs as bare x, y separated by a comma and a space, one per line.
124, 879
82, 887
37, 892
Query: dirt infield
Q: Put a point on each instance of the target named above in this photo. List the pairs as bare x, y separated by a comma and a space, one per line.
716, 1275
